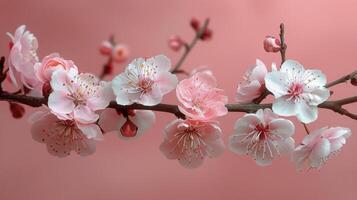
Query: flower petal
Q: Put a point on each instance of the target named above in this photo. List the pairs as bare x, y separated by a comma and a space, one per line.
84, 114
284, 107
60, 103
306, 113
276, 83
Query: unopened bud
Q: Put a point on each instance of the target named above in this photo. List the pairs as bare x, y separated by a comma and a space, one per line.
129, 129
17, 110
354, 80
120, 53
195, 24
11, 44
271, 44
207, 34
175, 43
106, 48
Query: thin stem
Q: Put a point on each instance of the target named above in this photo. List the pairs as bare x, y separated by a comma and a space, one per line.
343, 79
190, 46
306, 128
282, 41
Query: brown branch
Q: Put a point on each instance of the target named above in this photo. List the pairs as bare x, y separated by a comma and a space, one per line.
343, 79
282, 41
190, 46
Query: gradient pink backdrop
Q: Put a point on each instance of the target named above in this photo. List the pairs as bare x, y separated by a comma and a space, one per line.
320, 34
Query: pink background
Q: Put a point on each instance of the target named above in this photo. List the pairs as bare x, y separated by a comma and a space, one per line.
320, 34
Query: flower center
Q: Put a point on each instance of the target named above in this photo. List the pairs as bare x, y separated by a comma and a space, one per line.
263, 131
296, 89
145, 84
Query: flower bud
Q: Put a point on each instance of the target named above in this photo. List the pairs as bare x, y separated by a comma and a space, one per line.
206, 35
354, 80
17, 110
46, 89
195, 24
175, 43
129, 129
272, 44
120, 53
106, 48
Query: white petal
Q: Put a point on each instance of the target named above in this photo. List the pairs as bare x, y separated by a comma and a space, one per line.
84, 114
292, 68
143, 119
319, 153
166, 81
286, 146
306, 113
162, 62
284, 107
60, 103
314, 78
92, 131
282, 127
276, 83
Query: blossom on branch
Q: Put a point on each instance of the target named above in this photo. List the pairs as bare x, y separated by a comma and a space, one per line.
200, 98
22, 58
145, 81
263, 136
62, 136
297, 91
116, 121
118, 52
78, 96
272, 44
317, 147
190, 142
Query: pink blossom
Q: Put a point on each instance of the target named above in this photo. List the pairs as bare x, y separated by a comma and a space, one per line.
114, 121
200, 98
120, 53
263, 136
50, 64
176, 43
78, 95
190, 142
253, 85
63, 136
271, 44
22, 58
144, 81
317, 147
297, 91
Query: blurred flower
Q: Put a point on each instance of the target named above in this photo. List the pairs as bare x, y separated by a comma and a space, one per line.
135, 124
317, 147
207, 34
297, 91
17, 110
263, 136
271, 44
63, 136
120, 53
200, 98
253, 85
78, 95
50, 64
144, 81
22, 58
176, 43
196, 25
190, 142
106, 48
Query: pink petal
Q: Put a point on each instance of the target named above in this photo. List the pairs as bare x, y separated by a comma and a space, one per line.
92, 131
60, 103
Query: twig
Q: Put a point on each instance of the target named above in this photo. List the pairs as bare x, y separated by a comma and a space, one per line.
189, 47
306, 128
343, 79
282, 41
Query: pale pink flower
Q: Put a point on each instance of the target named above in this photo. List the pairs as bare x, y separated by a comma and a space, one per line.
200, 98
253, 85
144, 81
271, 44
263, 136
297, 91
22, 58
63, 136
190, 142
120, 53
114, 121
78, 95
50, 64
317, 147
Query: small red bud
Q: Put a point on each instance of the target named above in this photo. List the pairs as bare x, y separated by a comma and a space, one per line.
354, 81
129, 129
207, 34
195, 24
131, 112
17, 110
108, 69
175, 43
11, 44
106, 48
271, 44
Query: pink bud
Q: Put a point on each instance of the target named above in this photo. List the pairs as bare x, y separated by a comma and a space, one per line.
120, 53
175, 43
129, 129
271, 44
354, 81
106, 48
17, 110
195, 24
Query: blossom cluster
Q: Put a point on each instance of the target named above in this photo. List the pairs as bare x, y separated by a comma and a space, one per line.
80, 110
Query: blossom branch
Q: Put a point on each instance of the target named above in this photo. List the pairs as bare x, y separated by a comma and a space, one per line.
343, 79
189, 47
282, 41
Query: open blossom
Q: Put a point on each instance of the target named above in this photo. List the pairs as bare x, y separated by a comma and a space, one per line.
200, 98
134, 125
297, 91
22, 58
263, 136
78, 95
62, 136
144, 81
50, 64
253, 85
317, 147
190, 142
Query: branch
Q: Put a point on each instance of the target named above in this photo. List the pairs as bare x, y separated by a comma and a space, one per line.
343, 79
189, 47
282, 41
337, 106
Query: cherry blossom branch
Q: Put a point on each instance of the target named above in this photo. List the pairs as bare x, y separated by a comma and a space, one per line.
282, 41
189, 47
343, 79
